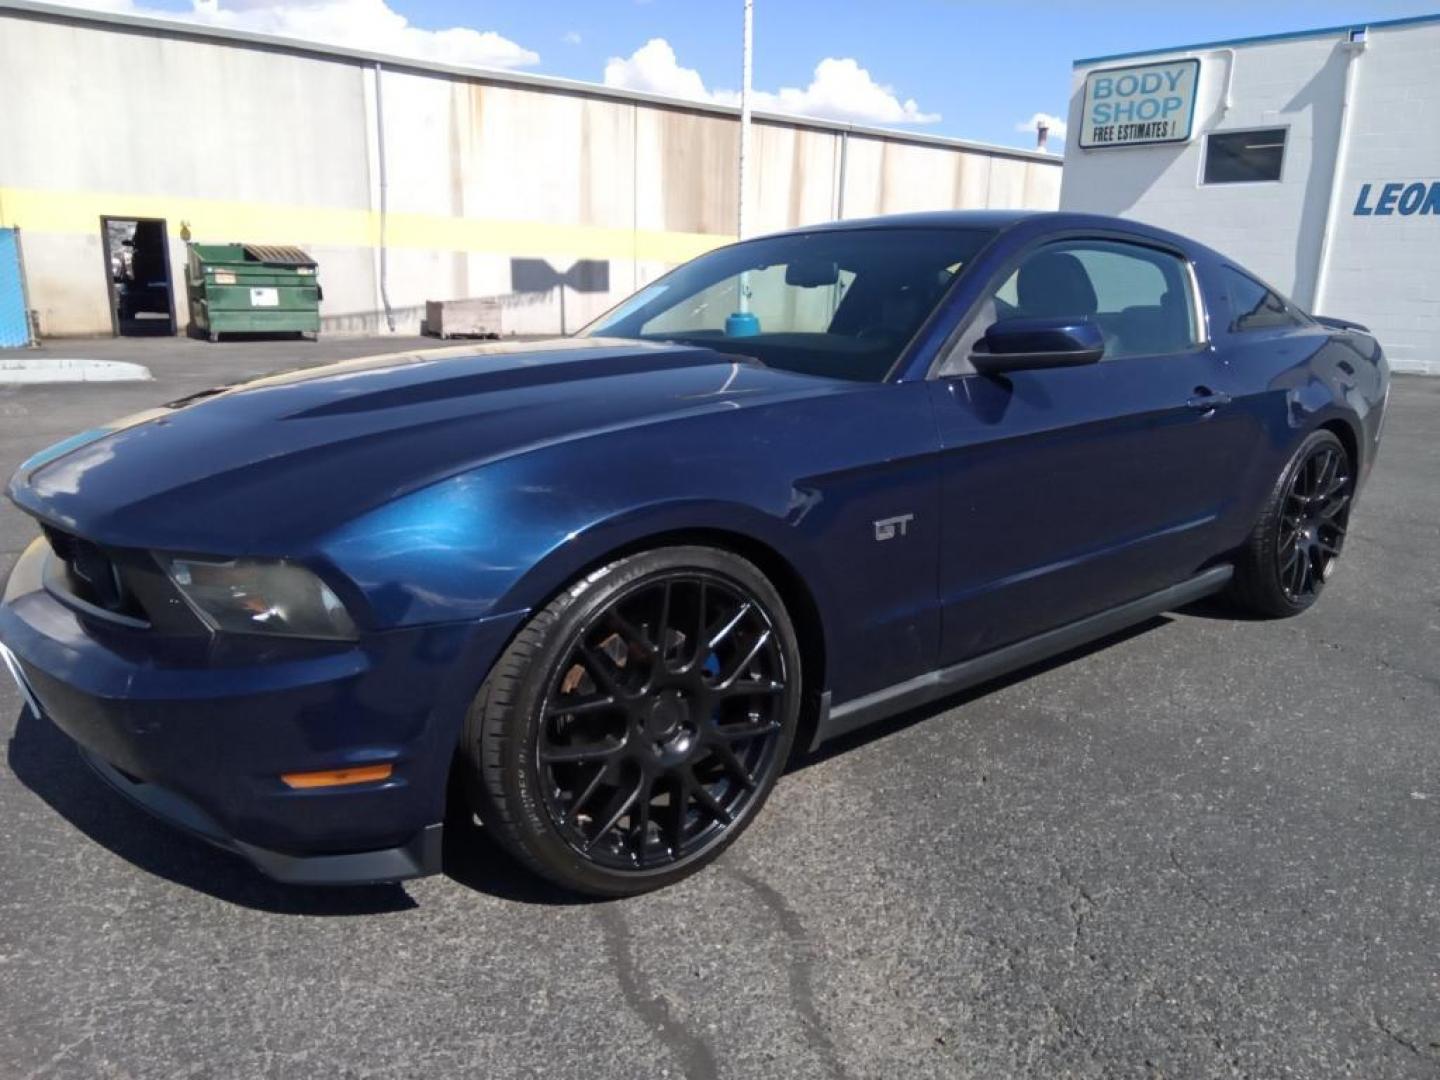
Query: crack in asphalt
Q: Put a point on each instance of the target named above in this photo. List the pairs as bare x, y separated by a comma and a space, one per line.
1196, 889
801, 970
44, 1068
1429, 680
996, 942
1382, 661
697, 1060
1396, 1037
1068, 1028
1080, 905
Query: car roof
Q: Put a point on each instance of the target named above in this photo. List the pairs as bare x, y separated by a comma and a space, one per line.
998, 220
927, 219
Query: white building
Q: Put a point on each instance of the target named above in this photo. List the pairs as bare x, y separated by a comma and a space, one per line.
408, 181
1312, 158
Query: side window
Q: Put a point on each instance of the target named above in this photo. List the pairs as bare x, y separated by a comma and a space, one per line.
1254, 307
1138, 296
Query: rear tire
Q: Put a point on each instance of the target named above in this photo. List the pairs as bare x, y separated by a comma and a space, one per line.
1291, 552
637, 724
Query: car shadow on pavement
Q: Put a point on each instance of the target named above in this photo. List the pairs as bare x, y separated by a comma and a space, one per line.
1221, 609
48, 763
45, 760
473, 859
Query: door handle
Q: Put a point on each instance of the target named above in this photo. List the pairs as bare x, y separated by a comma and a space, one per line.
1207, 400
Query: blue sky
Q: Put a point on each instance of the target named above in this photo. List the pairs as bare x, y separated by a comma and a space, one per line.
950, 67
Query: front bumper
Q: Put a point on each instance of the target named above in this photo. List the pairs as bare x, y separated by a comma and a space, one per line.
199, 733
418, 856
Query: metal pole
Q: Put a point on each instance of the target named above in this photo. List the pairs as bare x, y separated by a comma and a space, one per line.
1353, 48
836, 290
743, 307
745, 54
384, 199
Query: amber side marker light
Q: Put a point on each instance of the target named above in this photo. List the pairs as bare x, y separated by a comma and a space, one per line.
360, 774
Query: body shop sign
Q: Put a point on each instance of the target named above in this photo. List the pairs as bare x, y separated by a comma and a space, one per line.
1134, 106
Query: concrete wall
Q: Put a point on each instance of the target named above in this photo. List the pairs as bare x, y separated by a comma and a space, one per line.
193, 131
248, 140
1382, 270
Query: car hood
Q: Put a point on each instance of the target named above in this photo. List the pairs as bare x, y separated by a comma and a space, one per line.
261, 467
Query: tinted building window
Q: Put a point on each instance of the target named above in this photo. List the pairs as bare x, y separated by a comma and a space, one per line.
1254, 307
1233, 157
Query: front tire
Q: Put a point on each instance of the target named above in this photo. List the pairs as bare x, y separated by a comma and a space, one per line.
1291, 552
636, 725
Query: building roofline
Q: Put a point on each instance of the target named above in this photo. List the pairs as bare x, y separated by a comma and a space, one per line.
186, 29
1259, 39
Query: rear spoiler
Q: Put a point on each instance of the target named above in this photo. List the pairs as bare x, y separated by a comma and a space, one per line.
1339, 324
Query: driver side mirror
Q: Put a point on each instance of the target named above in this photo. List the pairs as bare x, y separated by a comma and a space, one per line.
1027, 344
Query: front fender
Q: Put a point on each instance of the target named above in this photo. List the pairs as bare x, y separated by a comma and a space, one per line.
809, 480
508, 536
652, 523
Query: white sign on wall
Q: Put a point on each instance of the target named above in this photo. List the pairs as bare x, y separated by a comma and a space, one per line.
1140, 105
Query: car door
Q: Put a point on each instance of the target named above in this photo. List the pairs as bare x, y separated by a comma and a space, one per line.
1068, 490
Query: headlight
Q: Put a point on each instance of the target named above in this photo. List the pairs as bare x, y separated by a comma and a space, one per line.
253, 596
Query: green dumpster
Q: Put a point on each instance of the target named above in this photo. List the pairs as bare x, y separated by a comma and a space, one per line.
252, 289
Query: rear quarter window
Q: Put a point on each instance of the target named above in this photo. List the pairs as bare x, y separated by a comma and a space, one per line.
1255, 306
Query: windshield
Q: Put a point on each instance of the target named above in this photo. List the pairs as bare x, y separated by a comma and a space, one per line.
842, 303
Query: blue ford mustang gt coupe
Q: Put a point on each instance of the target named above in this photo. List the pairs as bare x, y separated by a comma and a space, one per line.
601, 587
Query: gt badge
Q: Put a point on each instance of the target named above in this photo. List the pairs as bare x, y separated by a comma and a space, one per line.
889, 528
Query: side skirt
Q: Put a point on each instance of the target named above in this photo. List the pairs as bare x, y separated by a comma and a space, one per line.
934, 685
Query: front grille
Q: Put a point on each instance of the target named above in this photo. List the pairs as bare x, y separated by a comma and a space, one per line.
92, 575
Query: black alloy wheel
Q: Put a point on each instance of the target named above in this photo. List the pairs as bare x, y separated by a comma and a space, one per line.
1313, 522
637, 724
1292, 549
660, 719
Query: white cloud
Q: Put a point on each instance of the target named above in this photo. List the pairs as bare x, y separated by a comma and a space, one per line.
362, 24
572, 37
843, 90
840, 90
1054, 123
654, 69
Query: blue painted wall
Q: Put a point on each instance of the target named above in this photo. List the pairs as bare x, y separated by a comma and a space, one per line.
14, 326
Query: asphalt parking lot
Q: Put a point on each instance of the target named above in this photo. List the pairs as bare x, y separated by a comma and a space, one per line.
1205, 849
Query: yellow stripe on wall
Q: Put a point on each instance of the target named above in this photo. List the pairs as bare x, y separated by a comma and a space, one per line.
220, 221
